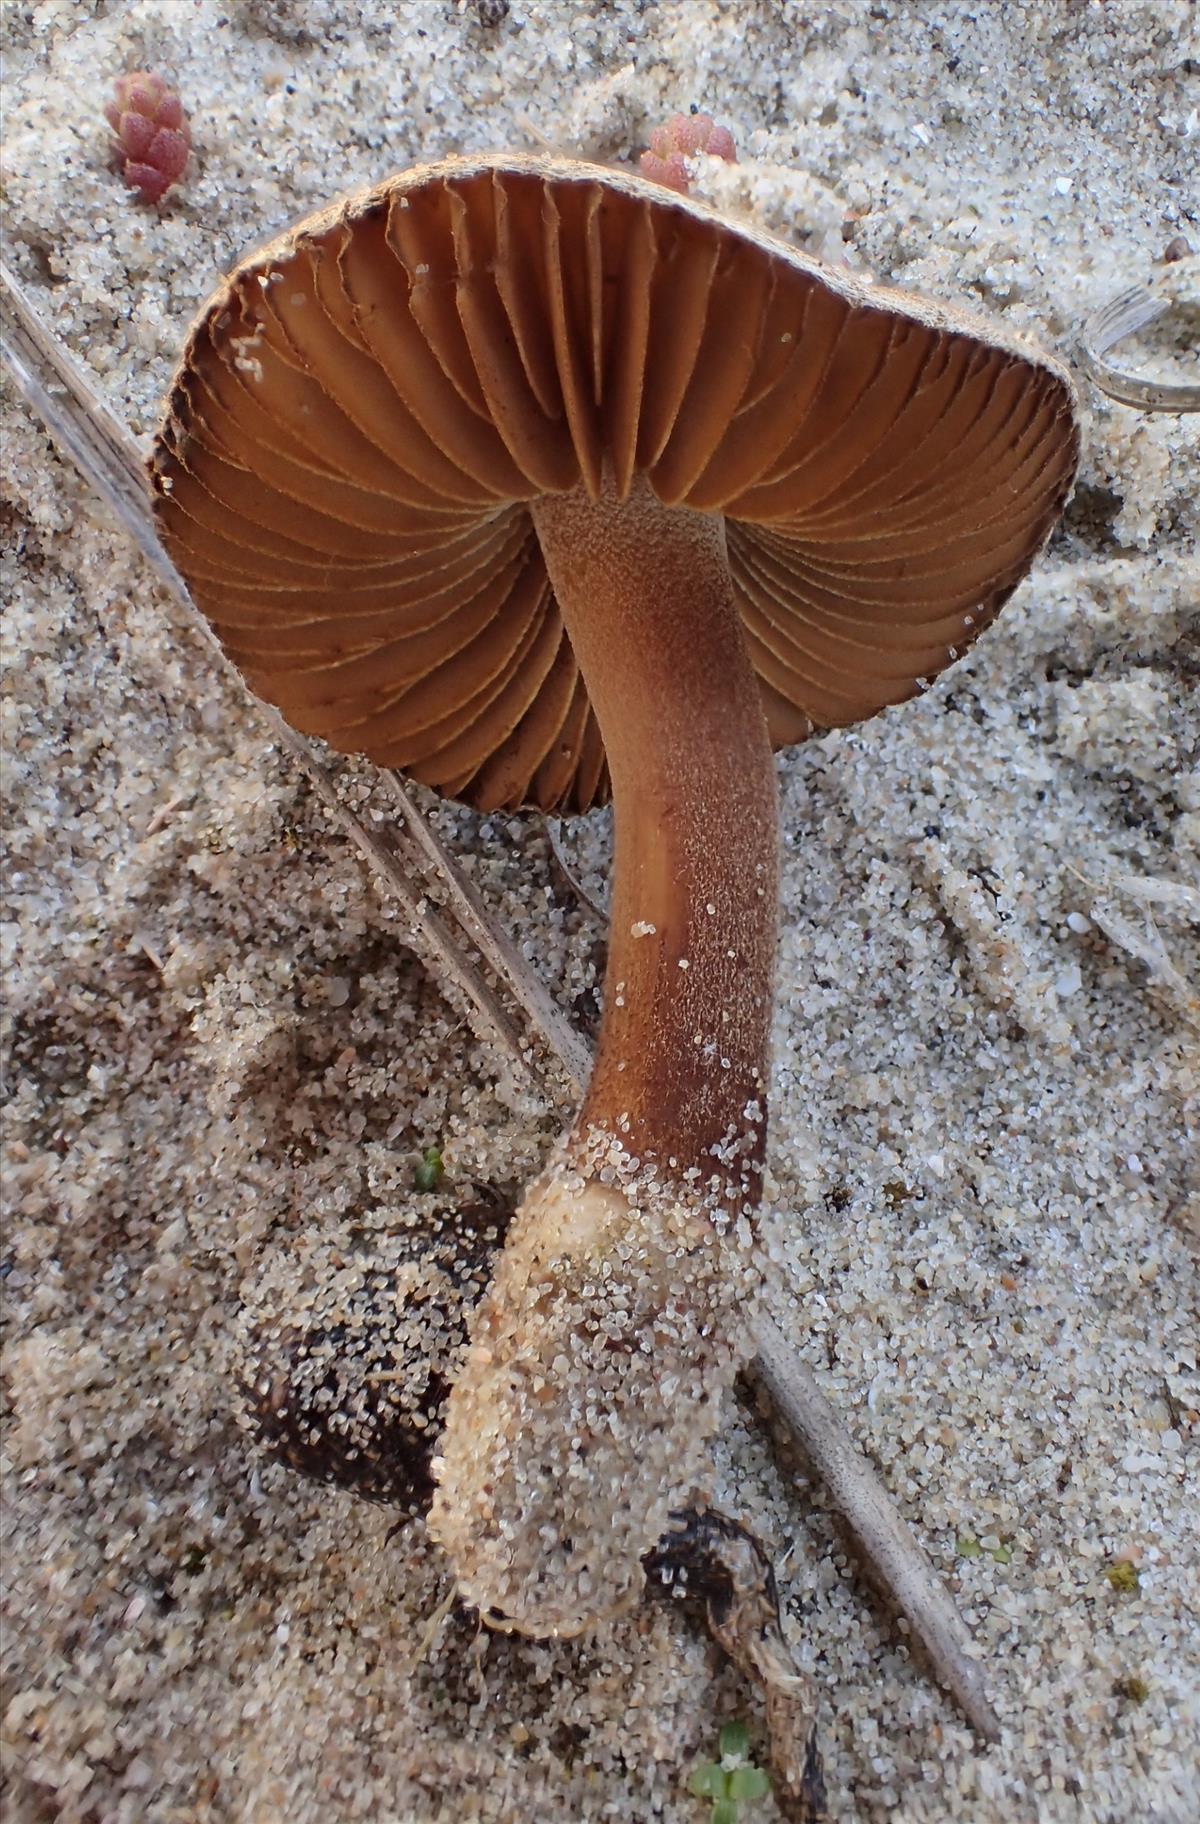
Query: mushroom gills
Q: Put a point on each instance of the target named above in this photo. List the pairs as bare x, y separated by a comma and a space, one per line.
388, 382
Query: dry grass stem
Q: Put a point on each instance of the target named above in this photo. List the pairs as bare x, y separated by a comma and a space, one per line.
881, 1535
564, 868
1175, 900
494, 945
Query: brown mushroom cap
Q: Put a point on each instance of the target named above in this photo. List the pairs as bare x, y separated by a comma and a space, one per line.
367, 406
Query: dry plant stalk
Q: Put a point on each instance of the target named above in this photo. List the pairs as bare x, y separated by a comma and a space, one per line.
106, 455
554, 838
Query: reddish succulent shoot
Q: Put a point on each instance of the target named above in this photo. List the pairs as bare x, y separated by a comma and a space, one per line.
153, 136
684, 137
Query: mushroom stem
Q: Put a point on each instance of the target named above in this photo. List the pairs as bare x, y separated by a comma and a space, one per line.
617, 1315
647, 598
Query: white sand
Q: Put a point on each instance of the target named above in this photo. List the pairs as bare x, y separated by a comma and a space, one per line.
983, 1143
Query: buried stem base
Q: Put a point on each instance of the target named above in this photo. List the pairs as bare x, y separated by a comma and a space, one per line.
581, 1418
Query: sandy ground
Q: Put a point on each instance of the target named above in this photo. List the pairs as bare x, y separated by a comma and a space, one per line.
983, 1147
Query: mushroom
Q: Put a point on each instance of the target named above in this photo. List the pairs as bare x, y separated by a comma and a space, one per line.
538, 482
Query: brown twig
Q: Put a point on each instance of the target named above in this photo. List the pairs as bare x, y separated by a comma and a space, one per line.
494, 945
710, 1558
869, 1512
105, 453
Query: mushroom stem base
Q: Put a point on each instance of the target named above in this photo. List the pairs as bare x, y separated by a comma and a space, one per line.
598, 1363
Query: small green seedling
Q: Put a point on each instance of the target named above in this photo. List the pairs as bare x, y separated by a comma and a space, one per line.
968, 1546
428, 1174
731, 1781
